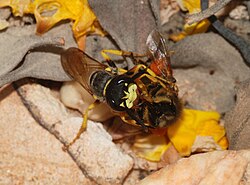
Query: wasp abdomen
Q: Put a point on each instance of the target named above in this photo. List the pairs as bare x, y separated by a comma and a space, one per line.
98, 82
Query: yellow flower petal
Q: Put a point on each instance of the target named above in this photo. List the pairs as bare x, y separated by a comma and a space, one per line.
192, 6
195, 28
85, 23
19, 7
177, 37
50, 12
195, 123
223, 142
151, 147
192, 125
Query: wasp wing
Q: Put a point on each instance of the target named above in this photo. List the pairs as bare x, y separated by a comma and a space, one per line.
161, 59
80, 67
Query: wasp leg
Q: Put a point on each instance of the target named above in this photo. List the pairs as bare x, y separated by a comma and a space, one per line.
139, 121
141, 69
132, 55
150, 75
83, 126
107, 58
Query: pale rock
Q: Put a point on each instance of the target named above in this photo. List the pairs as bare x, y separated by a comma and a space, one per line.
94, 152
74, 96
205, 144
29, 154
237, 122
219, 167
240, 12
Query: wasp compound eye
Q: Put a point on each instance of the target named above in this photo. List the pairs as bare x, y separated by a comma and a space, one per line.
121, 93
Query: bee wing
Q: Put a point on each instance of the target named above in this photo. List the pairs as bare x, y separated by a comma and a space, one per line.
161, 59
79, 66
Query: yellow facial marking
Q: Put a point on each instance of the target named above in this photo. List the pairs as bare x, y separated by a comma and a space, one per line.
122, 104
131, 95
108, 69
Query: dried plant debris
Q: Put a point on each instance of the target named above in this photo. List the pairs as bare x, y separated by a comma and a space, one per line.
190, 29
47, 64
128, 22
24, 54
242, 45
240, 12
237, 120
196, 17
49, 13
167, 9
238, 21
199, 22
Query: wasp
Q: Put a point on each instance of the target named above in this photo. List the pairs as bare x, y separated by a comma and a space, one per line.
146, 95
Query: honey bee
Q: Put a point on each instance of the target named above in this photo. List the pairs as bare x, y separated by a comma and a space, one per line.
146, 95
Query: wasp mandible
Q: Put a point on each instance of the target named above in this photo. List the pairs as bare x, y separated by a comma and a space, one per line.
146, 95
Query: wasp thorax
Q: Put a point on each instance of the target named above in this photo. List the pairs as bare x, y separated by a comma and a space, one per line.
121, 93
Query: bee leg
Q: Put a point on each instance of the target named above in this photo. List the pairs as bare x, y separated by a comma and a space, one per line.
83, 126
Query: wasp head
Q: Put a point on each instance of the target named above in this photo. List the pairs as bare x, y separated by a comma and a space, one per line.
121, 93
